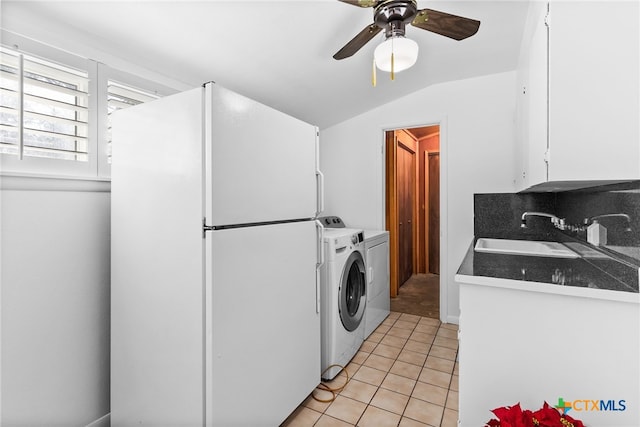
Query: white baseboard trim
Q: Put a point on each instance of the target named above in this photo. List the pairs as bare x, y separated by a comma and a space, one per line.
453, 319
104, 421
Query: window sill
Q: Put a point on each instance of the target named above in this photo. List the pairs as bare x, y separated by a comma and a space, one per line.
19, 182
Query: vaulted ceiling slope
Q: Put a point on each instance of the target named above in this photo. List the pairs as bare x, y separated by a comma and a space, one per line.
277, 52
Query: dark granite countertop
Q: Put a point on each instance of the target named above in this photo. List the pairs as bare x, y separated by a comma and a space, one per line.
594, 270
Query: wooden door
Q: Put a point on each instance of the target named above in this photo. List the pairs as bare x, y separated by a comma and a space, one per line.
434, 213
406, 191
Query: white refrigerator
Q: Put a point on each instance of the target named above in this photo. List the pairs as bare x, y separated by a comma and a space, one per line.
215, 256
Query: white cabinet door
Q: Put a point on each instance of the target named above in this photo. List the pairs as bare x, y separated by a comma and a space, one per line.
506, 342
532, 100
579, 93
594, 90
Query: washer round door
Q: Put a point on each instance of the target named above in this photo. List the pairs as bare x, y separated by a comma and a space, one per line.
352, 292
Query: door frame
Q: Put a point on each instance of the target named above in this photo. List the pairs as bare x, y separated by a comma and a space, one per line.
390, 199
427, 228
427, 232
446, 277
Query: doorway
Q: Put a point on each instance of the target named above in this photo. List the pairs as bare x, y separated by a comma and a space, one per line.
412, 209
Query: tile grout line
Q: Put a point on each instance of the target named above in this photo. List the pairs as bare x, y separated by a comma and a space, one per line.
389, 371
416, 383
410, 396
429, 347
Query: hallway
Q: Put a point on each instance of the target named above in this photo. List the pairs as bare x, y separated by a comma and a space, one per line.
420, 296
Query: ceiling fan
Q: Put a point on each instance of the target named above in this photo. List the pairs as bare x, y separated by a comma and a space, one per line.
397, 52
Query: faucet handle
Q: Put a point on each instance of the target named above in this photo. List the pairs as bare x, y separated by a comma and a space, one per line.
559, 223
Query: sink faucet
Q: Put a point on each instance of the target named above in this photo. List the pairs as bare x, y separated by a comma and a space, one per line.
588, 221
557, 222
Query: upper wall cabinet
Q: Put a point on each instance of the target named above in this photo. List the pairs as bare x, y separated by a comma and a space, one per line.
532, 98
578, 98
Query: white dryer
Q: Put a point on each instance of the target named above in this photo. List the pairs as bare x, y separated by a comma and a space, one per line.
343, 299
376, 246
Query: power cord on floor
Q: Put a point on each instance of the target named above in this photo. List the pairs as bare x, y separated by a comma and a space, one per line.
333, 391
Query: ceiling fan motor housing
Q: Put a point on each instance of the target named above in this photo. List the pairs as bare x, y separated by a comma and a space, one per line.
393, 15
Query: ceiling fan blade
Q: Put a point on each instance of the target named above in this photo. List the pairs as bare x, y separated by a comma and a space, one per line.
358, 41
361, 3
445, 24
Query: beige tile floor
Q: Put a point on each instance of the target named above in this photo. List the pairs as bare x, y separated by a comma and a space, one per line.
405, 375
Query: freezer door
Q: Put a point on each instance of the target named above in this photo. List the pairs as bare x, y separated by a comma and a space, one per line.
157, 268
263, 330
261, 163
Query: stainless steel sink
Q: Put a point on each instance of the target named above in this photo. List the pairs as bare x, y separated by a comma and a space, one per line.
524, 247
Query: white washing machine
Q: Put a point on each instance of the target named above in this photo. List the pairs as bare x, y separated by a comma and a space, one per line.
343, 298
376, 246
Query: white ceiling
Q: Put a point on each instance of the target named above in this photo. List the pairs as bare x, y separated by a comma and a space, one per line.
278, 52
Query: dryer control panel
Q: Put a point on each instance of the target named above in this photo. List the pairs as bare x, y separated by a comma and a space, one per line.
344, 238
331, 221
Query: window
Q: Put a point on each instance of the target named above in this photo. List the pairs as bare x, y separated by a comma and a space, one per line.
121, 96
43, 109
55, 110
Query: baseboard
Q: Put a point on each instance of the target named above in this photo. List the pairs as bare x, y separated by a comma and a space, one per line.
104, 421
453, 319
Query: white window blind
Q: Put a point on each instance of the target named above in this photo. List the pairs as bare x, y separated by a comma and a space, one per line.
121, 96
43, 108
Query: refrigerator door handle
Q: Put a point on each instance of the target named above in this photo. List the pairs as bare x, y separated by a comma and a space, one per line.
320, 259
320, 231
320, 190
319, 178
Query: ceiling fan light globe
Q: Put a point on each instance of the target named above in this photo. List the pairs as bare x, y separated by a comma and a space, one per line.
405, 54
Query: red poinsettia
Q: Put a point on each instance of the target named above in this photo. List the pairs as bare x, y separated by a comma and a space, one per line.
511, 416
547, 416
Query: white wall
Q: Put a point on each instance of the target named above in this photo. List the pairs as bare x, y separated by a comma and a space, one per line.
54, 303
477, 118
55, 277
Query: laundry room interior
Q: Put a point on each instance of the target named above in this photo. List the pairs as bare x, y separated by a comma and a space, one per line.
319, 213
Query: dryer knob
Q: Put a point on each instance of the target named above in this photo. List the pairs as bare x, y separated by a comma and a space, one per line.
354, 239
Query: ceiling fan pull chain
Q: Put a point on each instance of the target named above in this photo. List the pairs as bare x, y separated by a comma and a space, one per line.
393, 74
373, 73
393, 62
